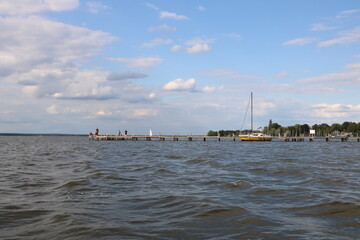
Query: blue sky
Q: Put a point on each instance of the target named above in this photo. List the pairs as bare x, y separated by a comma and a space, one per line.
176, 67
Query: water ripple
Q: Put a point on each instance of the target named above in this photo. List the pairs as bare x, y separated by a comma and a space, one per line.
72, 188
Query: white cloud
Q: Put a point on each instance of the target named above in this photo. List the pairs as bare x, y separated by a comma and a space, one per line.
216, 106
52, 109
125, 76
332, 111
282, 74
300, 41
171, 15
347, 13
144, 113
139, 62
30, 41
234, 35
199, 40
24, 7
180, 85
157, 42
347, 37
321, 27
38, 55
194, 46
198, 48
104, 113
339, 79
176, 48
96, 7
355, 66
152, 96
201, 8
163, 27
152, 6
209, 89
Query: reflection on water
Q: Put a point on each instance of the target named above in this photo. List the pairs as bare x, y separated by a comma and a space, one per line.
72, 188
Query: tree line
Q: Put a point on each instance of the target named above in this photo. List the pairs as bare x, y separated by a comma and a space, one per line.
299, 130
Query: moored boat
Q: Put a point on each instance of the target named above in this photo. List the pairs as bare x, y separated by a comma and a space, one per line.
254, 136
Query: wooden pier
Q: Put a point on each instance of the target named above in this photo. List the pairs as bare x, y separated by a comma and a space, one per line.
161, 138
215, 138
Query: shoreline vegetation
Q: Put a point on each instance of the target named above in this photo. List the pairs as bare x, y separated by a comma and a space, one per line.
346, 129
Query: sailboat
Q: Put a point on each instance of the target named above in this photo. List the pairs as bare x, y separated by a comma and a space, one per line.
252, 136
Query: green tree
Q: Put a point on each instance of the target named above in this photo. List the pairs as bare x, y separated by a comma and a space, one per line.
212, 133
335, 127
305, 130
345, 126
324, 129
353, 128
270, 124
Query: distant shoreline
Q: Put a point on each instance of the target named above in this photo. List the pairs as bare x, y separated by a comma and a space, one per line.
40, 134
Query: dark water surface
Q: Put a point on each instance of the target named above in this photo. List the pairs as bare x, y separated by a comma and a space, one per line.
71, 188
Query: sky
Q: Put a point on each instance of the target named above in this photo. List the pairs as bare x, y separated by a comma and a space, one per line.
176, 67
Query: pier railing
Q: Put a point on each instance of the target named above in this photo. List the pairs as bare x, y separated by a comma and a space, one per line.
213, 138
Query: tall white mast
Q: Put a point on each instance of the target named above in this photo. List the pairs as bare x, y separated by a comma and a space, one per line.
251, 111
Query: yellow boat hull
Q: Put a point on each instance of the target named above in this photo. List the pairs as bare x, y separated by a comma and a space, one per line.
247, 138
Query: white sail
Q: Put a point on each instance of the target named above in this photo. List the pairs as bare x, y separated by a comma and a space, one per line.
150, 133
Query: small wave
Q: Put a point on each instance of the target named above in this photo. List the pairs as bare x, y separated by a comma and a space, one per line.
238, 184
198, 161
74, 184
174, 157
260, 191
12, 207
224, 212
15, 216
60, 218
331, 209
164, 170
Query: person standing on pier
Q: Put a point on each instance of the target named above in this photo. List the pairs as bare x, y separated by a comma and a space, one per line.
97, 132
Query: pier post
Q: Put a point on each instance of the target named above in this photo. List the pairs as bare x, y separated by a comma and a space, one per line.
190, 138
148, 138
219, 139
327, 139
311, 139
205, 139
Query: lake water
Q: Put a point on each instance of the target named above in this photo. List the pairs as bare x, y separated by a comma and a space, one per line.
62, 187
